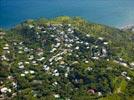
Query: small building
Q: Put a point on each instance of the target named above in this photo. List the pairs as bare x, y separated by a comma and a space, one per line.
31, 26
132, 64
31, 72
46, 68
89, 69
92, 91
26, 72
31, 57
128, 78
56, 95
22, 75
21, 67
2, 33
95, 58
66, 74
86, 62
5, 90
101, 38
88, 35
124, 73
26, 62
42, 58
105, 43
6, 47
53, 50
99, 94
77, 48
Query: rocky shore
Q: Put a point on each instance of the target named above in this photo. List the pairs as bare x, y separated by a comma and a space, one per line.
129, 27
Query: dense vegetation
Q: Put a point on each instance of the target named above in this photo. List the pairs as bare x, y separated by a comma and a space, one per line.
66, 59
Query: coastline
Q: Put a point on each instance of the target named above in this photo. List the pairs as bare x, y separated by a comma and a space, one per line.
129, 27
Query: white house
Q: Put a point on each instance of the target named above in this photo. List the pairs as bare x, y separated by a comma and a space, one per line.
26, 62
14, 85
99, 94
6, 45
87, 47
86, 43
21, 66
46, 68
132, 64
69, 25
26, 49
124, 73
105, 43
20, 52
128, 78
56, 95
26, 72
5, 90
3, 57
42, 58
89, 68
5, 48
88, 35
77, 48
54, 49
20, 63
101, 38
22, 75
31, 72
31, 57
57, 45
86, 62
96, 58
56, 74
58, 58
66, 74
31, 26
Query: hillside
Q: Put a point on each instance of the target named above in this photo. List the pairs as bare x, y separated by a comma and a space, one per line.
66, 59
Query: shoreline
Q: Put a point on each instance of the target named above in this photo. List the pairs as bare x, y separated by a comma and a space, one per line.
121, 27
129, 27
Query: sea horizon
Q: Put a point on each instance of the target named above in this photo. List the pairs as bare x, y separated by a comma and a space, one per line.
114, 13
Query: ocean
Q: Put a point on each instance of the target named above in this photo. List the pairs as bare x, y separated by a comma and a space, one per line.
115, 13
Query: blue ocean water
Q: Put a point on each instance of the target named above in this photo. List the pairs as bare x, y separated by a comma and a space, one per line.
109, 12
